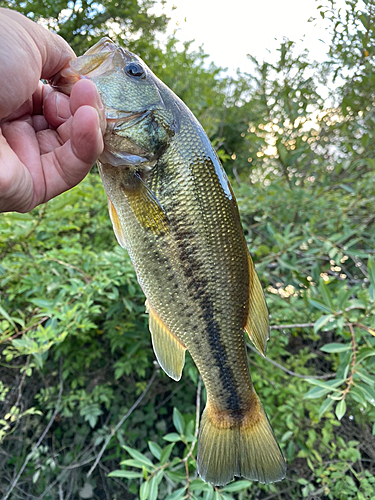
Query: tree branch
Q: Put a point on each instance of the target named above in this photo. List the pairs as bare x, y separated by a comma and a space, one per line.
354, 358
295, 325
40, 439
197, 415
290, 372
150, 382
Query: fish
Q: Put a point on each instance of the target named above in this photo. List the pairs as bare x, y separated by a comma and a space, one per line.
173, 209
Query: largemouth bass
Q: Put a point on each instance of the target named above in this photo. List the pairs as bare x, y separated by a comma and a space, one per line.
173, 209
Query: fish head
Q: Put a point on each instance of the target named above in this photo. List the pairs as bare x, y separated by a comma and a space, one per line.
139, 123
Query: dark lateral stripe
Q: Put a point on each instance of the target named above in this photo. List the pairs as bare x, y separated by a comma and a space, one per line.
161, 181
193, 270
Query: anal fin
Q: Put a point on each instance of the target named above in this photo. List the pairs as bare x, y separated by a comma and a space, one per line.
169, 351
257, 319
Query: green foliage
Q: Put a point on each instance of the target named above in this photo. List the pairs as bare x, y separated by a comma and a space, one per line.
83, 23
75, 348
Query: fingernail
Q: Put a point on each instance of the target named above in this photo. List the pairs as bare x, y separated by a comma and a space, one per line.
102, 120
101, 128
62, 106
99, 102
100, 139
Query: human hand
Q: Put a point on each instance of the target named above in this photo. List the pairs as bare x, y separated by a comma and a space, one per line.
48, 141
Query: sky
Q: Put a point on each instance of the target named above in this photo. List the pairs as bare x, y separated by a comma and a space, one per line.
231, 29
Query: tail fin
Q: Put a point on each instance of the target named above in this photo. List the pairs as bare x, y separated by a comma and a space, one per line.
243, 446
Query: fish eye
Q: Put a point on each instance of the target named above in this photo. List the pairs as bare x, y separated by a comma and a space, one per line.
134, 69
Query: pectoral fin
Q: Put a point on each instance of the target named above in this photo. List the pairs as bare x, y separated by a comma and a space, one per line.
116, 224
145, 206
169, 351
257, 319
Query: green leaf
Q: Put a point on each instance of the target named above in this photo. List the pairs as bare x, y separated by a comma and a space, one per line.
155, 449
340, 409
237, 486
331, 384
199, 485
165, 454
177, 495
91, 412
364, 353
319, 305
139, 456
323, 388
302, 481
336, 347
347, 188
371, 270
172, 437
178, 421
358, 395
356, 304
154, 484
316, 392
326, 405
323, 320
344, 295
140, 464
365, 377
286, 265
286, 436
326, 294
144, 490
224, 496
36, 476
129, 474
6, 316
369, 394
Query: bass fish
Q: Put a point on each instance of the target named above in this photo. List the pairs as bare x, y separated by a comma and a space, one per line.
173, 209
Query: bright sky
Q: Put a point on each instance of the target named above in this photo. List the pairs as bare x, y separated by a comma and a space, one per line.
231, 29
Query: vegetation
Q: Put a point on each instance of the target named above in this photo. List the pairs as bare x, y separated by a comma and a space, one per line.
86, 412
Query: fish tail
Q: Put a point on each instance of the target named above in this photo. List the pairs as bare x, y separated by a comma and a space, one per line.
241, 444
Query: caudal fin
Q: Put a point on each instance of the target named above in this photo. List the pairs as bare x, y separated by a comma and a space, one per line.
238, 446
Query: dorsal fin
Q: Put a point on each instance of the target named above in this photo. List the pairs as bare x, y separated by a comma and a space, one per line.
169, 351
257, 319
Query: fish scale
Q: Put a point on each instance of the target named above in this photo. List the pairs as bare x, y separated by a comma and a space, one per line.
174, 211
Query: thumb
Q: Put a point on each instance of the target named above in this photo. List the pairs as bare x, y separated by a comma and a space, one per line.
28, 52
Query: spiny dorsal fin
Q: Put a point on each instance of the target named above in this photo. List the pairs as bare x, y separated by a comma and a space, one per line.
169, 351
257, 318
116, 224
145, 206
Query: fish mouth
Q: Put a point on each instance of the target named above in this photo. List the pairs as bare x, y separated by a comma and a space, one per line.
122, 121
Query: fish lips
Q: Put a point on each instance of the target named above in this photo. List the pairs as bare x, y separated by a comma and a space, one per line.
123, 120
